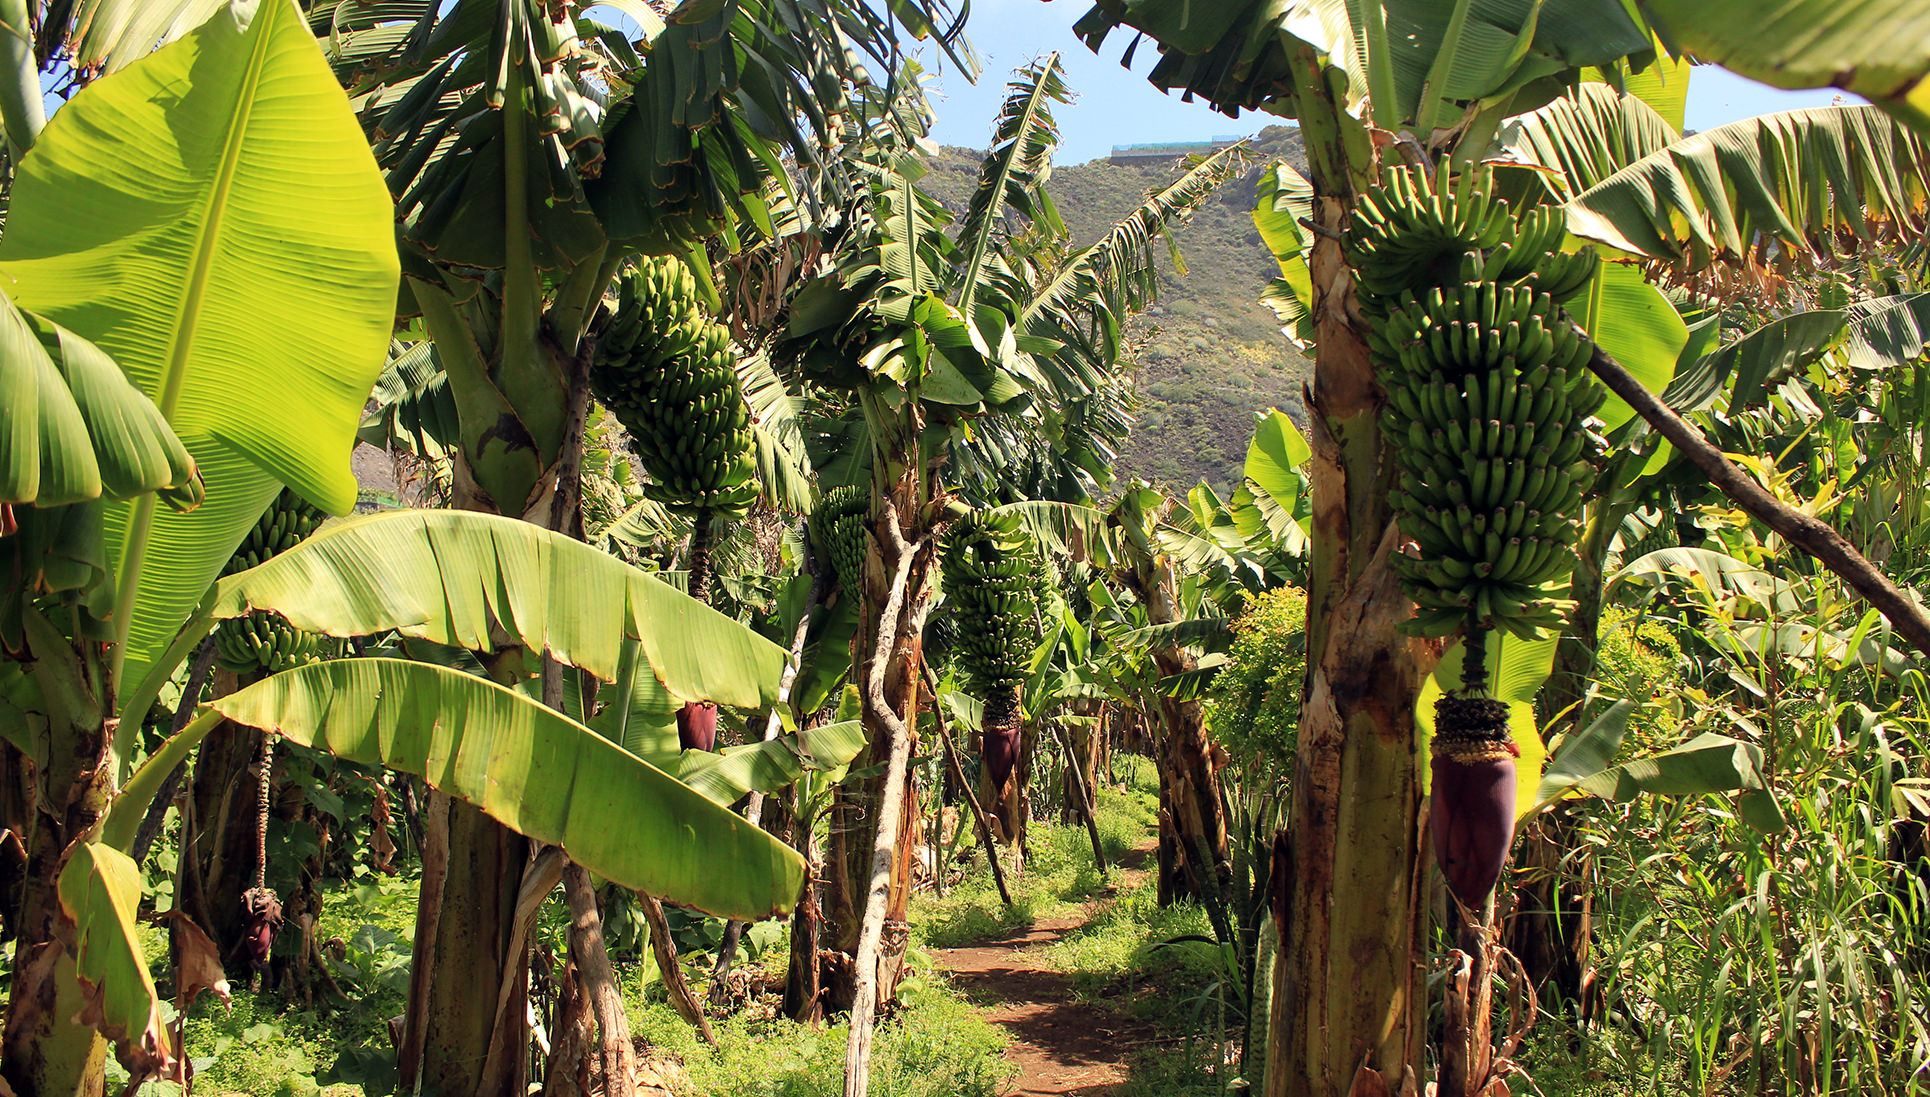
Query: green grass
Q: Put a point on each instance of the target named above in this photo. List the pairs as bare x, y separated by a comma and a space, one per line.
1058, 880
935, 1046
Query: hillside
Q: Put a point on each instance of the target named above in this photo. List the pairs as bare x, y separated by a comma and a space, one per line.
1209, 354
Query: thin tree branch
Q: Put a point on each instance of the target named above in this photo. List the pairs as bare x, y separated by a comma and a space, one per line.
984, 825
1812, 535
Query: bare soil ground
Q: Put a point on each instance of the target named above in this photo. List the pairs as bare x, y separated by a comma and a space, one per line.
1062, 1047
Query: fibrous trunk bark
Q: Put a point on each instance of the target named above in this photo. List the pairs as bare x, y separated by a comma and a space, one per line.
1345, 997
590, 960
887, 652
42, 1050
889, 670
802, 987
472, 958
217, 855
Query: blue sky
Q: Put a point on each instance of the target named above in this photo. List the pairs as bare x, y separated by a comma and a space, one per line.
1119, 107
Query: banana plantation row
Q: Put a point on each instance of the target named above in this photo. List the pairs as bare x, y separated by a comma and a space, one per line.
757, 483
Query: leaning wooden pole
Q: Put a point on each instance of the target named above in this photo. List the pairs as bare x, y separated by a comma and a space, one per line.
1087, 803
979, 819
754, 805
891, 808
1812, 535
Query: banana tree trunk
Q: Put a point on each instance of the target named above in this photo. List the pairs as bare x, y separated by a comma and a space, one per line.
217, 855
1193, 857
894, 637
1345, 999
802, 983
42, 1050
1008, 747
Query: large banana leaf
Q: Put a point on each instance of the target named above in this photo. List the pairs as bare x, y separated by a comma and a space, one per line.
469, 580
1879, 49
1806, 177
71, 426
533, 768
1583, 137
211, 218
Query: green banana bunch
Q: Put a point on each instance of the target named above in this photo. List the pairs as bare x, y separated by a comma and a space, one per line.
991, 573
266, 642
838, 529
667, 373
1488, 399
1488, 404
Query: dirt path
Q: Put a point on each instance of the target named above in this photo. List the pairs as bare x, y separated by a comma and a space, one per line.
1061, 1046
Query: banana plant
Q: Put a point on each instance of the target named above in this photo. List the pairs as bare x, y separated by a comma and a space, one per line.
461, 580
504, 156
930, 332
1368, 83
230, 270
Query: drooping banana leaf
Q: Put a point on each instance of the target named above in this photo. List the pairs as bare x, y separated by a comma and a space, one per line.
110, 34
462, 579
768, 766
784, 473
1582, 138
100, 893
1879, 49
71, 426
1709, 763
1810, 178
539, 772
534, 769
1418, 62
211, 217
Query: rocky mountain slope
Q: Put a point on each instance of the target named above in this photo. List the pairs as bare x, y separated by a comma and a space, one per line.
1209, 355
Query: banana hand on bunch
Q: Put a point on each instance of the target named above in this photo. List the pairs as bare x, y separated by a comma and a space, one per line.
838, 529
266, 643
667, 373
